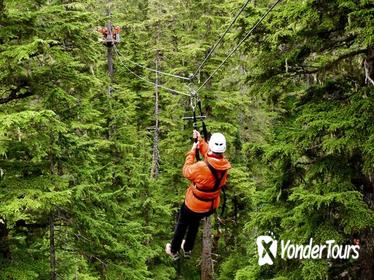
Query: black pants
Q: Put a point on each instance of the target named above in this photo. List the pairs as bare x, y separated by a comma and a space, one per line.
189, 222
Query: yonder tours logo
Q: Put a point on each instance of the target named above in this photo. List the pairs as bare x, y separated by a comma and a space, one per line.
267, 248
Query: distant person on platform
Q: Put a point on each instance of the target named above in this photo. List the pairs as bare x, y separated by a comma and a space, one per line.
203, 195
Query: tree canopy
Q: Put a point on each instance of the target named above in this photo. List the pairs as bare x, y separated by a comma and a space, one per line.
90, 163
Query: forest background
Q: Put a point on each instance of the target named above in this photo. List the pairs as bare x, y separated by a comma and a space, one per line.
90, 178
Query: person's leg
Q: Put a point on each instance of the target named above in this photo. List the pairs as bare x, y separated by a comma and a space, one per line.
180, 230
191, 234
193, 229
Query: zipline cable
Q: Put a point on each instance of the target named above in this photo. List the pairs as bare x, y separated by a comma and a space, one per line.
205, 59
219, 40
201, 65
239, 44
154, 70
147, 81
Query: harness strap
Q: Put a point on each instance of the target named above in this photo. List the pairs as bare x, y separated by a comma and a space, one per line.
224, 202
203, 190
202, 198
215, 174
217, 184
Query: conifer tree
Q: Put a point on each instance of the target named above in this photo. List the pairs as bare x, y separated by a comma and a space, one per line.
79, 195
315, 158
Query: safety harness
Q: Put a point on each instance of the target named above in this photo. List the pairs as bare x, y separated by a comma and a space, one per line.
215, 191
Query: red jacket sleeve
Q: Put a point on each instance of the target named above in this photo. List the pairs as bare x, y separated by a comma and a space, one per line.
188, 168
203, 147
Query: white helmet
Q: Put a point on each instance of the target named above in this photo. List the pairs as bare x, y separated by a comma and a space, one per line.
217, 143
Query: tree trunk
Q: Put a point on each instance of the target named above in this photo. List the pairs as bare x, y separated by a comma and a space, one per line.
2, 6
109, 8
110, 54
206, 255
4, 245
109, 47
52, 248
369, 66
110, 59
156, 154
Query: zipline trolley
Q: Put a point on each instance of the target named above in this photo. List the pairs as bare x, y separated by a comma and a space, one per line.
110, 35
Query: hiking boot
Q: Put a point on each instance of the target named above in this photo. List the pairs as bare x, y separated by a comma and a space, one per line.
174, 256
186, 254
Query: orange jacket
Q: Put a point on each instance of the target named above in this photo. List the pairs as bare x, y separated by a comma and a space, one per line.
200, 196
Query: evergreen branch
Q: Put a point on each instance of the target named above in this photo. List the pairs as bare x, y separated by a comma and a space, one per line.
14, 96
331, 64
22, 223
97, 258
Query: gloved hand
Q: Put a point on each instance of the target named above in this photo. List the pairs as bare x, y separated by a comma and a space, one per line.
196, 134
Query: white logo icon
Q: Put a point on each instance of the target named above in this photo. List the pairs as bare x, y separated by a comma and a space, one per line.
267, 249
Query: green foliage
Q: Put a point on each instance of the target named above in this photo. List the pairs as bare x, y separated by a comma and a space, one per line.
292, 103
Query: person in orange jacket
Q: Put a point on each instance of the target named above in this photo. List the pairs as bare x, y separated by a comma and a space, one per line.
203, 195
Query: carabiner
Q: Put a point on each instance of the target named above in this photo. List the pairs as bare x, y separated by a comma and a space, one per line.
193, 99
